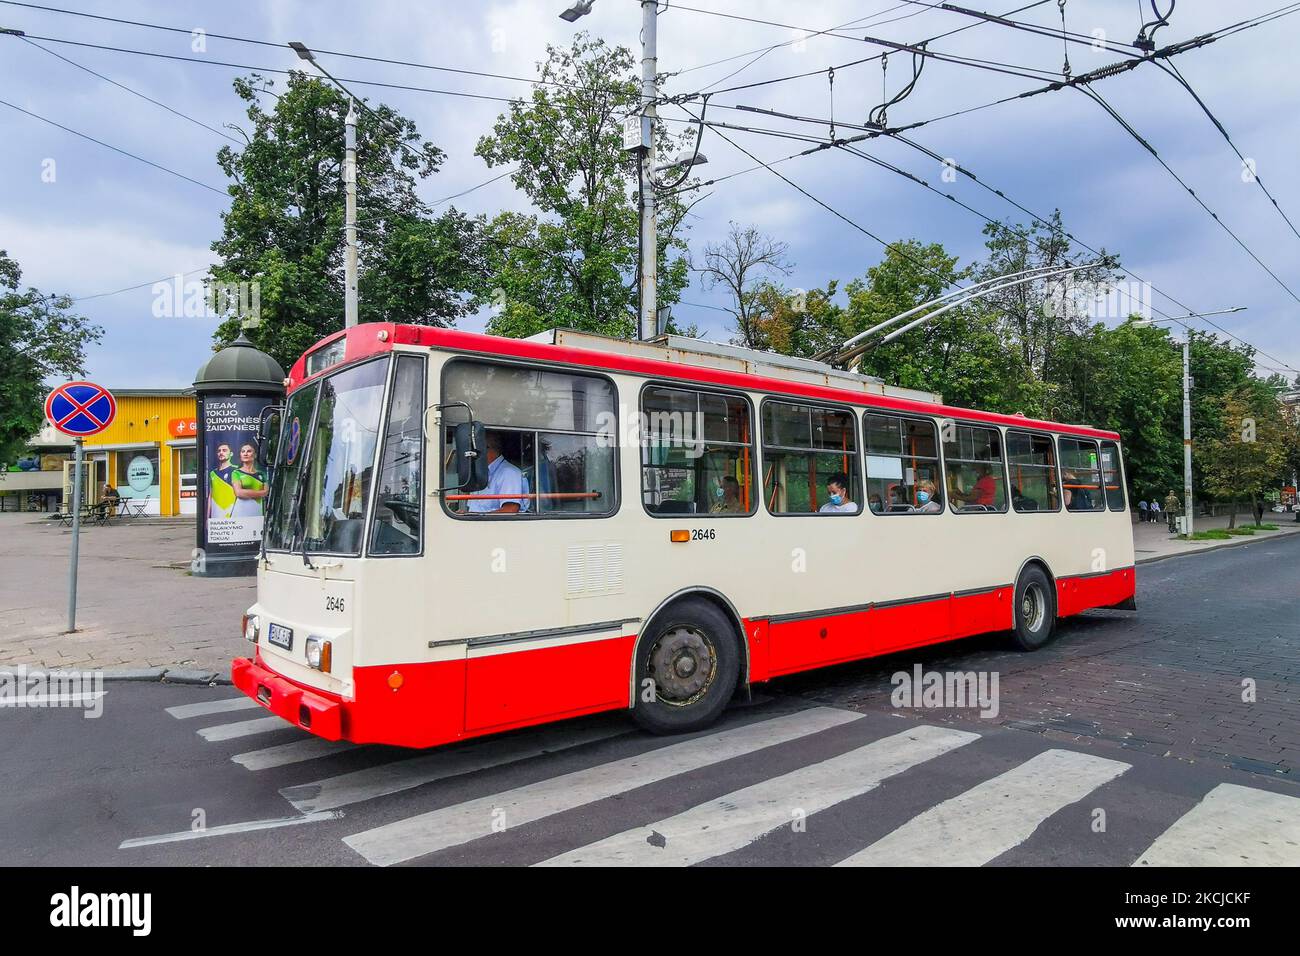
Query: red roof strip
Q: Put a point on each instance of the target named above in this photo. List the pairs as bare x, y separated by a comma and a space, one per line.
364, 341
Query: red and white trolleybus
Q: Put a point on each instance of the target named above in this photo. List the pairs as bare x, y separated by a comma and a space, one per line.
467, 534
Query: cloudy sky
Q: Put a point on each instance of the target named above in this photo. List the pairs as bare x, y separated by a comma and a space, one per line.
85, 220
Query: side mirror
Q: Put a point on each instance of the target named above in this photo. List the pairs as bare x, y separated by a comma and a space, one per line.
470, 443
268, 434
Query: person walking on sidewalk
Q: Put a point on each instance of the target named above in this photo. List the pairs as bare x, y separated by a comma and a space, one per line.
1142, 511
1155, 509
1172, 507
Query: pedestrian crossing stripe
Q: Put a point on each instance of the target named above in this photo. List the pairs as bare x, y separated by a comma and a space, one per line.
411, 772
734, 821
243, 728
1232, 826
451, 826
981, 824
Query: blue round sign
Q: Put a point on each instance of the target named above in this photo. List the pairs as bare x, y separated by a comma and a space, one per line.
80, 409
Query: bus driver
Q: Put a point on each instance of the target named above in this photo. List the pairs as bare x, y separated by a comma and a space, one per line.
503, 479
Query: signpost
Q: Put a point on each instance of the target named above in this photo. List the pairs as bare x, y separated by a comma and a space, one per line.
78, 409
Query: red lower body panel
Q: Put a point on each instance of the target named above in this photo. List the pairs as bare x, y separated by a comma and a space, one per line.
817, 641
1106, 589
440, 702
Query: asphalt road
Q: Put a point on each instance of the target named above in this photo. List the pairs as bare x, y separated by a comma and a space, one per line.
1125, 742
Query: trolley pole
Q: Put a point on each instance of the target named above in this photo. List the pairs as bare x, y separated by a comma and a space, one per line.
649, 236
350, 220
76, 534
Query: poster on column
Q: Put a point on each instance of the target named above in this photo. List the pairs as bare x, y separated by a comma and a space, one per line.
235, 484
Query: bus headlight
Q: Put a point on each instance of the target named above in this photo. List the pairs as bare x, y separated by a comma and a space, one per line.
319, 654
251, 627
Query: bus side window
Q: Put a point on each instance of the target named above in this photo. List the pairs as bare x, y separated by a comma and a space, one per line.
553, 427
1032, 461
973, 458
1081, 475
1112, 476
903, 475
806, 448
697, 453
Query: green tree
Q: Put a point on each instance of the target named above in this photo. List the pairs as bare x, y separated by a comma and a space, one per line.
794, 321
1127, 379
573, 263
1243, 458
40, 338
284, 228
1035, 319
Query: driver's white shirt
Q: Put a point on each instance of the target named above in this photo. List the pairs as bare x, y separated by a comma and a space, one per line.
503, 479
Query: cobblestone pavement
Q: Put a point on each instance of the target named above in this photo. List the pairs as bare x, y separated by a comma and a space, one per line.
1169, 679
134, 609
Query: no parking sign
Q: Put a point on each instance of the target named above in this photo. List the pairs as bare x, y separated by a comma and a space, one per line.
78, 409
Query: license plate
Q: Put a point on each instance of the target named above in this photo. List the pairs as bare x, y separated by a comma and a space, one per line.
280, 636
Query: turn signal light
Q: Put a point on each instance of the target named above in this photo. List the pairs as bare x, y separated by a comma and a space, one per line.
396, 680
320, 654
679, 537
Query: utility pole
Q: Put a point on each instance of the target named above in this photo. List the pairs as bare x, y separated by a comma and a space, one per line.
1189, 512
349, 189
649, 234
350, 220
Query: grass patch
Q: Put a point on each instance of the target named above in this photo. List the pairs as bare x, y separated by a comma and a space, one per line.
1265, 527
1214, 534
1241, 531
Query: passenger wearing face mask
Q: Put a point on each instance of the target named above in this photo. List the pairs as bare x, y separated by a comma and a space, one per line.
728, 498
926, 502
837, 486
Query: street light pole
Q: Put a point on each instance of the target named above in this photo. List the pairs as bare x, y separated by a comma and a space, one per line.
350, 217
649, 233
349, 189
648, 268
1187, 435
1188, 504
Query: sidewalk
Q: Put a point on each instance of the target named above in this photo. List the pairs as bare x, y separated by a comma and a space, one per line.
135, 609
1153, 542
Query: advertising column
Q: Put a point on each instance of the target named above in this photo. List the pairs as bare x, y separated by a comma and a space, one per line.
232, 481
232, 484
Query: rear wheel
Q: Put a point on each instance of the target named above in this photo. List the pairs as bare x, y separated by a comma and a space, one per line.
686, 668
1035, 608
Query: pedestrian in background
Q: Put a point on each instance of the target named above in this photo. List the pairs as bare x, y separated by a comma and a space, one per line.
1142, 510
1172, 507
1155, 510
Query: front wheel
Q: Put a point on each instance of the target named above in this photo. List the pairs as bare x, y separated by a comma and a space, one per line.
1035, 608
686, 669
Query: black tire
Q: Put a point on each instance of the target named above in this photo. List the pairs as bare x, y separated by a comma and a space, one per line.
686, 669
1034, 609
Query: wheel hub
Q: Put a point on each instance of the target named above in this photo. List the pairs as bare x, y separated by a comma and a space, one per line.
682, 664
1032, 608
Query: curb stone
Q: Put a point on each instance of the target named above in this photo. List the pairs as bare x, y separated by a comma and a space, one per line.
1243, 540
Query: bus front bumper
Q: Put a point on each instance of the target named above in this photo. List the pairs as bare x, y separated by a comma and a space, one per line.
300, 706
